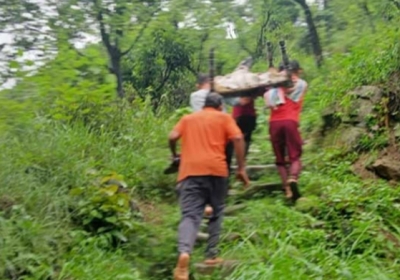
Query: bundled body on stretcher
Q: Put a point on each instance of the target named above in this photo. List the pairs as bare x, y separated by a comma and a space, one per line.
242, 82
270, 84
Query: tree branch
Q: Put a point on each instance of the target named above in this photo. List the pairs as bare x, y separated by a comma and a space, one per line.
204, 38
78, 52
141, 32
243, 46
396, 3
167, 74
260, 44
315, 41
105, 37
191, 70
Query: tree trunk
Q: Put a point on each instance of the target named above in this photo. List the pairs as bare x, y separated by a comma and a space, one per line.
116, 69
315, 41
368, 14
328, 23
114, 54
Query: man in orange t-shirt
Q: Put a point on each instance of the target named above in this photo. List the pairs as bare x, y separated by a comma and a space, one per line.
203, 175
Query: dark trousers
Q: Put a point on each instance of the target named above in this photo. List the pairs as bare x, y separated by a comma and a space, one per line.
247, 125
285, 138
194, 194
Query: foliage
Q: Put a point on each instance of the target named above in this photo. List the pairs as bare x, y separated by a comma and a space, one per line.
160, 66
331, 239
63, 129
105, 210
357, 68
47, 161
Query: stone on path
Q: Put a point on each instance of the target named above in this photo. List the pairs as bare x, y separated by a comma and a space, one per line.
257, 167
230, 210
255, 189
203, 237
226, 268
304, 204
232, 237
387, 168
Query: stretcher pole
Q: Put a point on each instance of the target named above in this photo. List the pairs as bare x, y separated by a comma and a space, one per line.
286, 63
270, 55
211, 69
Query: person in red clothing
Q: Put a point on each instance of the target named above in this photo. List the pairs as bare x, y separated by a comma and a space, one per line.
244, 113
284, 129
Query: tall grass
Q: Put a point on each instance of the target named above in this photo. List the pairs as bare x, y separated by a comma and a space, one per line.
346, 229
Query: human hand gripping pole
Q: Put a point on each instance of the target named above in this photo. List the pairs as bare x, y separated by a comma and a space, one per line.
241, 175
175, 157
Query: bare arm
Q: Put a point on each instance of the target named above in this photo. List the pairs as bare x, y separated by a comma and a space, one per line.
297, 84
244, 100
239, 145
298, 91
236, 136
290, 90
175, 135
172, 140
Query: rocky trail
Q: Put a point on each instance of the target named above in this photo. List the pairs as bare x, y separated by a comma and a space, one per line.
352, 132
264, 183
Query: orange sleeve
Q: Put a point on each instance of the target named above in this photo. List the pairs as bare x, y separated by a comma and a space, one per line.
180, 126
232, 129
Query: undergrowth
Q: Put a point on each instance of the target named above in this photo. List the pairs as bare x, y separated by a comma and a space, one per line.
62, 218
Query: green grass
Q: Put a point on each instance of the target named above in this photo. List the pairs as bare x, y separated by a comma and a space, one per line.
346, 228
340, 230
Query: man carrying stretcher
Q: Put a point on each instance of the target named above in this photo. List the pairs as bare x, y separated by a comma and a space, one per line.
286, 105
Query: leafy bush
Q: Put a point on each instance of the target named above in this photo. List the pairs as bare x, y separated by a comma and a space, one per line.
105, 210
49, 160
30, 247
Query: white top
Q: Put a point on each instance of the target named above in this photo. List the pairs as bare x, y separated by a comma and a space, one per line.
198, 98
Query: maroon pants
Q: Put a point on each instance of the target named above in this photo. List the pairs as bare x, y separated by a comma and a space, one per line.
286, 139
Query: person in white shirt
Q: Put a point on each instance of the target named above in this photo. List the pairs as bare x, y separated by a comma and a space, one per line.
198, 97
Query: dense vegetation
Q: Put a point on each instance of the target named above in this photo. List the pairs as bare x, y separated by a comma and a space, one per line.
69, 140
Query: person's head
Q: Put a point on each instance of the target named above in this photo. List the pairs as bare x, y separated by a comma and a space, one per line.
294, 65
213, 100
203, 81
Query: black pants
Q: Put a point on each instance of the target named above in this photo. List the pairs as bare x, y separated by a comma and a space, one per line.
247, 125
195, 193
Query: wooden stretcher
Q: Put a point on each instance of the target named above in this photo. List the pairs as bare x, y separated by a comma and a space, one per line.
255, 90
242, 82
